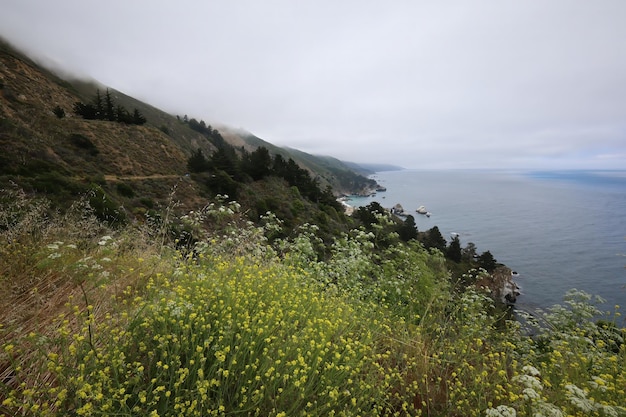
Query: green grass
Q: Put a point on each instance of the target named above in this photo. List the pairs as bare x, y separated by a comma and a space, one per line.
98, 321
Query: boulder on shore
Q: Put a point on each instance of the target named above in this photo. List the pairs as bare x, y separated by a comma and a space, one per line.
500, 284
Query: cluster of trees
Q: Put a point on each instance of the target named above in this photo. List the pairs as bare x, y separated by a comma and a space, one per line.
105, 108
229, 166
376, 219
201, 127
454, 252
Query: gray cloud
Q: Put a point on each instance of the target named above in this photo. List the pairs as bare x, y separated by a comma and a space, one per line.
417, 83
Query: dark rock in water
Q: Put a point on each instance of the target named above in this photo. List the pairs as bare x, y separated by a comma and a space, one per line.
398, 209
501, 286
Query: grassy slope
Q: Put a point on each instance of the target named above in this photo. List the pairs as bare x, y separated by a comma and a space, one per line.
112, 322
42, 153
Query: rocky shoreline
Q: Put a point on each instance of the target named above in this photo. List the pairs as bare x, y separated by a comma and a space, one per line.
500, 285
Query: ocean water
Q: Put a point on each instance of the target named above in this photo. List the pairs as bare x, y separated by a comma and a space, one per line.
558, 230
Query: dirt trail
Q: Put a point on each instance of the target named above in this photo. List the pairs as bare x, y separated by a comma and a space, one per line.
139, 177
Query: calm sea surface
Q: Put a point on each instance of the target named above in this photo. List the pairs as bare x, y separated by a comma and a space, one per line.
558, 230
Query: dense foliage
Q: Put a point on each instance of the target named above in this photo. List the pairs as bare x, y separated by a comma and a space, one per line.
97, 321
258, 165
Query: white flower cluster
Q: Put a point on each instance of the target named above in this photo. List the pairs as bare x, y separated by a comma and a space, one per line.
578, 398
501, 411
531, 383
531, 393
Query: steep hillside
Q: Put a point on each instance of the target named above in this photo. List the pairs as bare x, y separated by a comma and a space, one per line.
343, 177
337, 173
47, 148
63, 156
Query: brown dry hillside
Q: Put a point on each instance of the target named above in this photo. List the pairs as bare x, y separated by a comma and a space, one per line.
44, 153
30, 130
135, 166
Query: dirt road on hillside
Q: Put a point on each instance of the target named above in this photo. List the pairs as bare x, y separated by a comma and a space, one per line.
140, 177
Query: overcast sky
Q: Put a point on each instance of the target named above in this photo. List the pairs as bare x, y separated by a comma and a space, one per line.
421, 83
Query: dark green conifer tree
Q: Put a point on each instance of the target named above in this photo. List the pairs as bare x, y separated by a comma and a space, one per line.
137, 118
86, 111
122, 115
197, 162
487, 261
454, 250
109, 107
97, 102
260, 163
407, 230
434, 239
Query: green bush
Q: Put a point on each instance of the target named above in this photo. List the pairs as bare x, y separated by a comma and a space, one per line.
148, 202
98, 179
57, 186
83, 142
104, 207
125, 190
59, 112
36, 166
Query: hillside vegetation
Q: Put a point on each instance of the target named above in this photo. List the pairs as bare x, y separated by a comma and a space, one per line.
101, 321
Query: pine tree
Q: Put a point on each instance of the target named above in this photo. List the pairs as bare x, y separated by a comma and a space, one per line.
434, 239
469, 252
454, 250
109, 107
122, 115
97, 102
260, 163
197, 162
408, 229
86, 111
138, 118
487, 261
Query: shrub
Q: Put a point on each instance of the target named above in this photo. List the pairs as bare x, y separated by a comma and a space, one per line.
148, 202
98, 179
83, 142
59, 112
104, 207
125, 190
56, 185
